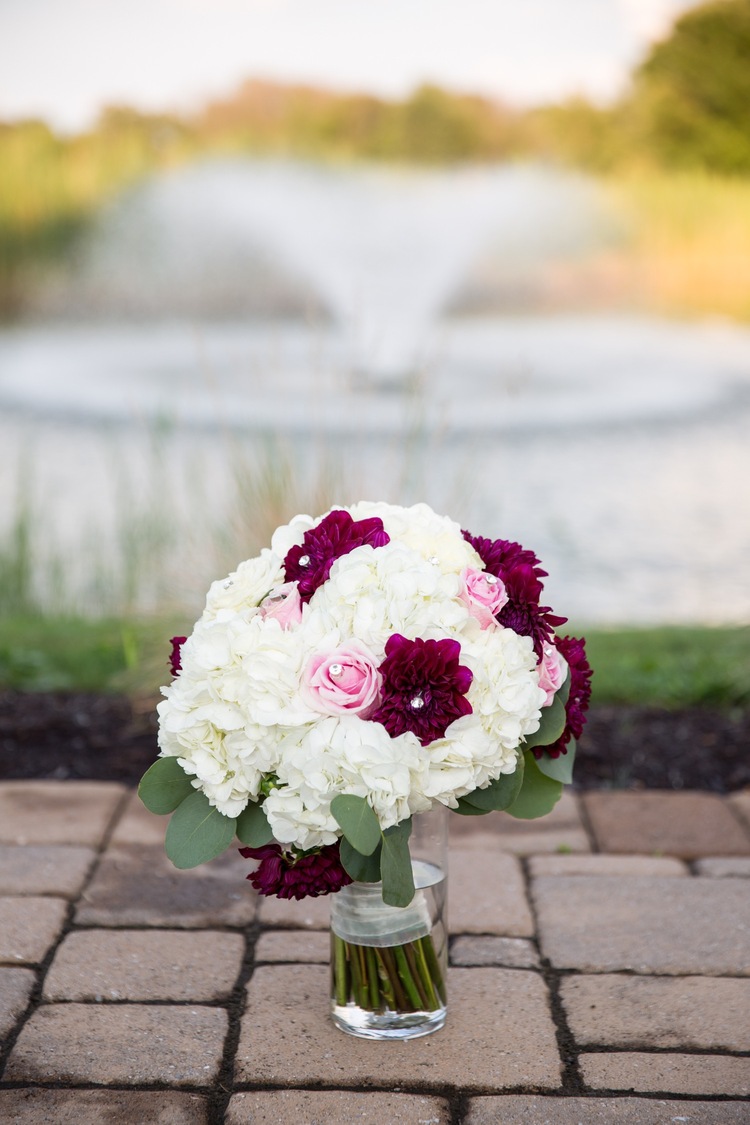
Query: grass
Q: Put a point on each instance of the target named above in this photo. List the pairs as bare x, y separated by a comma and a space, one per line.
672, 667
48, 653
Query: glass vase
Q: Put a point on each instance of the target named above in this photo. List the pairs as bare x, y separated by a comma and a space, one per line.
388, 964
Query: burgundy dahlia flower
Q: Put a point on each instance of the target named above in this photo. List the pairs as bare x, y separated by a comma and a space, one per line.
424, 687
521, 573
309, 563
574, 651
306, 876
175, 657
500, 555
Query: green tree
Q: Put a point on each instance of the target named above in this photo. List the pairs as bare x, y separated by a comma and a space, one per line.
690, 105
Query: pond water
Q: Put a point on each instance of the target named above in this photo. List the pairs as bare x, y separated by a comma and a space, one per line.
616, 446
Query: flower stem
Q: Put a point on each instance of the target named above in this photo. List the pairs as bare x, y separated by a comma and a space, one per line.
406, 977
399, 978
428, 949
372, 978
340, 971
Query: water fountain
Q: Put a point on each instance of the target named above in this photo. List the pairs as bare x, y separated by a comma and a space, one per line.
380, 252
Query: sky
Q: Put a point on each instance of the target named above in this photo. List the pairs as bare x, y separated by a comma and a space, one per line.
64, 59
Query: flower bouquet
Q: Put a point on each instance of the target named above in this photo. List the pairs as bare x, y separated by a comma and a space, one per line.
373, 667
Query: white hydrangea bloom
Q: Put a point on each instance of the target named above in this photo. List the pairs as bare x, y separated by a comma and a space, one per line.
238, 711
340, 755
434, 537
374, 592
245, 587
291, 534
505, 693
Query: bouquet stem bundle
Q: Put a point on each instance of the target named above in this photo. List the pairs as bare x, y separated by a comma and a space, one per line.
399, 978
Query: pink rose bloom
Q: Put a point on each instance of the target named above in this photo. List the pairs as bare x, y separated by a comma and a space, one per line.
343, 682
552, 668
284, 605
483, 594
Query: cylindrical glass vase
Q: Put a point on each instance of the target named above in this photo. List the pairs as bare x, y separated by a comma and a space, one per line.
388, 964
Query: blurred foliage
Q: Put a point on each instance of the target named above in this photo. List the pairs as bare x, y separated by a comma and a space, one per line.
688, 109
691, 99
688, 106
687, 248
50, 186
431, 126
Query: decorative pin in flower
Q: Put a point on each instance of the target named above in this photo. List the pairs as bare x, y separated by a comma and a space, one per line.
371, 666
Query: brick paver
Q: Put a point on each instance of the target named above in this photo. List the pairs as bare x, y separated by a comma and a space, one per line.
101, 1107
740, 803
644, 924
722, 867
647, 950
32, 812
121, 1044
32, 870
136, 825
625, 1011
689, 825
335, 1107
29, 926
522, 1110
138, 965
703, 1075
606, 865
309, 914
295, 946
287, 1037
561, 830
138, 886
487, 897
15, 990
512, 953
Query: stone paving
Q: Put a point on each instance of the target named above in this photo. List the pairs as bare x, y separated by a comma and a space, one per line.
600, 973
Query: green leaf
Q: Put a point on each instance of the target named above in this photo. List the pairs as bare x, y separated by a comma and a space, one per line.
559, 769
197, 832
363, 868
253, 828
498, 795
395, 865
164, 786
539, 794
357, 821
563, 692
551, 726
465, 809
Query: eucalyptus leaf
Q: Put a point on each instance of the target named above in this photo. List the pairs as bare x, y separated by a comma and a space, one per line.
357, 821
539, 794
563, 692
197, 832
363, 868
164, 786
463, 808
395, 865
253, 828
499, 794
559, 769
551, 726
